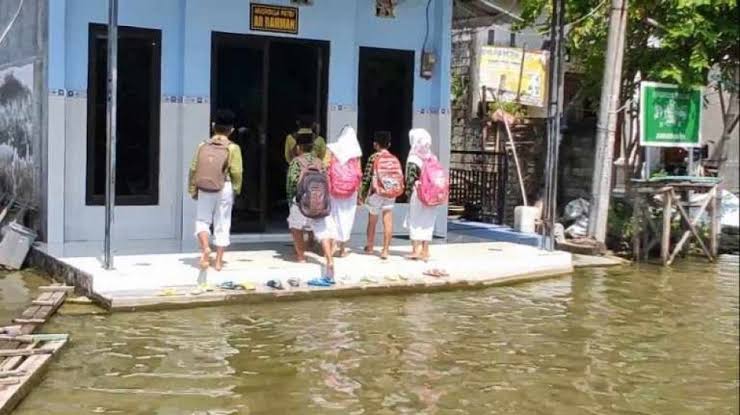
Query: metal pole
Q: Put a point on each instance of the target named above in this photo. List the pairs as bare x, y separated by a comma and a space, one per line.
606, 126
549, 206
110, 154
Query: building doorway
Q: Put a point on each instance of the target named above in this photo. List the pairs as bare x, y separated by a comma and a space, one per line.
385, 97
268, 82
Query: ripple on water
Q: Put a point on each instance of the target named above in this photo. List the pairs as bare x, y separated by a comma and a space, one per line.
639, 340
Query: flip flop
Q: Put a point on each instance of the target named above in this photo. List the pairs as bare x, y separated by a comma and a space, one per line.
321, 282
294, 282
276, 284
167, 292
246, 286
229, 285
368, 280
436, 273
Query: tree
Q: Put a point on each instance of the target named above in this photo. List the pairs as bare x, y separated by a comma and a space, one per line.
674, 41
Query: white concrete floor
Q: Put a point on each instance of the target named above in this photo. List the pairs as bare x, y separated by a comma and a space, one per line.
154, 269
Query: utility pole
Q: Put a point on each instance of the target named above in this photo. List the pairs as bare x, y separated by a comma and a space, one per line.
110, 154
607, 122
554, 113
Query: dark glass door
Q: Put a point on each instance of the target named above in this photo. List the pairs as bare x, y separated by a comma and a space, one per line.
239, 83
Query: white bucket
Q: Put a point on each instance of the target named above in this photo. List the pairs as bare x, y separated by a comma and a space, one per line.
15, 245
524, 218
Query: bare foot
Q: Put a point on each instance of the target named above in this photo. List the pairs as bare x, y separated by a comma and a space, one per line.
368, 250
342, 253
219, 265
384, 254
300, 259
412, 257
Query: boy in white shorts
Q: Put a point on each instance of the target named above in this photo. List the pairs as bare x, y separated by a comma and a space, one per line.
376, 204
323, 229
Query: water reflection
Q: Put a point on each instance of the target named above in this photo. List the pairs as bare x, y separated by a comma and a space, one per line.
631, 340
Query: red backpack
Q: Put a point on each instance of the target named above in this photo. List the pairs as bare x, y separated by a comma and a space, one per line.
434, 184
344, 179
387, 176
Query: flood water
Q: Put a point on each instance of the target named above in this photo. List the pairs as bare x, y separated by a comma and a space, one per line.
634, 340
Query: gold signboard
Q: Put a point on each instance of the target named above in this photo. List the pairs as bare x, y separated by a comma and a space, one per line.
278, 19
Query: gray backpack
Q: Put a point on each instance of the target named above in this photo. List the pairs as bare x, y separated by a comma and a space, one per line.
210, 171
312, 193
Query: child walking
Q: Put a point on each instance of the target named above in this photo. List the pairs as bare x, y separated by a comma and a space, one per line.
382, 183
215, 177
427, 187
345, 176
307, 190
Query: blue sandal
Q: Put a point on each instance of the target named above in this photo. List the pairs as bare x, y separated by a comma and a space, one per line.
321, 282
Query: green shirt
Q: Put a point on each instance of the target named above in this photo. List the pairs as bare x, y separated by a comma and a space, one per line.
294, 174
413, 171
367, 177
234, 169
319, 147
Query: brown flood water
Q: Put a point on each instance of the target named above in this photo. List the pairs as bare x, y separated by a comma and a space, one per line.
634, 340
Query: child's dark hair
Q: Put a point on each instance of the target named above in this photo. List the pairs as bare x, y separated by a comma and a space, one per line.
305, 121
382, 138
223, 121
305, 142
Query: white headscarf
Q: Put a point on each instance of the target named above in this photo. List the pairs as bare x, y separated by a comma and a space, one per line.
345, 147
421, 146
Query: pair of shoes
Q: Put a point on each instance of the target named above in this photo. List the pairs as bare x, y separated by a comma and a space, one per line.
321, 282
275, 284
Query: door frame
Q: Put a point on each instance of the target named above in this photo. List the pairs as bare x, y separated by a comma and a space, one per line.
406, 55
219, 38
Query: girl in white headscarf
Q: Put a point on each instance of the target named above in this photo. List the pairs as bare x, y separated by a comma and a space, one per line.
346, 152
420, 219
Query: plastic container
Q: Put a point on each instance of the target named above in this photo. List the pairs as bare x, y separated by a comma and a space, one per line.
524, 218
16, 243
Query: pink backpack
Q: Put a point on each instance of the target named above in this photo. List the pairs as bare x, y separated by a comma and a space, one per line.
434, 184
344, 179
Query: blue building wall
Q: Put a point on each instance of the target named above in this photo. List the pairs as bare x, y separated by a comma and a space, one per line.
186, 40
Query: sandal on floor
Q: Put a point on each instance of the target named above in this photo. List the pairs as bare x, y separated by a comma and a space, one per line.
294, 282
321, 282
436, 273
275, 284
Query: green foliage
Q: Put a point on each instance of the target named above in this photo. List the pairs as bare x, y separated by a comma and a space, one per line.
674, 41
619, 226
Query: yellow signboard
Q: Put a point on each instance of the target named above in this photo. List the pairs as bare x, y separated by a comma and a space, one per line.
500, 70
278, 19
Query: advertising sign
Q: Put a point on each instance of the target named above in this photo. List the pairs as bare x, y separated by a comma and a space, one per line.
669, 116
500, 70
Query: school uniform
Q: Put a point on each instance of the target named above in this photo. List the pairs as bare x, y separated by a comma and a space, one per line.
322, 228
214, 208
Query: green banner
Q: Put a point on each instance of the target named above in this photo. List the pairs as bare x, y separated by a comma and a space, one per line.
669, 116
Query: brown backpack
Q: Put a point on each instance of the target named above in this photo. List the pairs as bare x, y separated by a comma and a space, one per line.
210, 170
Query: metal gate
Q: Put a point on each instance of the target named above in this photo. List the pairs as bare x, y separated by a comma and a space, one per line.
478, 184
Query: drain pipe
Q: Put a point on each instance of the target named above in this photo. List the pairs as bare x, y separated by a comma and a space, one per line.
110, 153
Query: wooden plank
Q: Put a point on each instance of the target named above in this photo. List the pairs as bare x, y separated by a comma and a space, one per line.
687, 234
24, 352
43, 302
665, 241
35, 366
57, 288
639, 228
714, 219
691, 223
29, 321
12, 373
